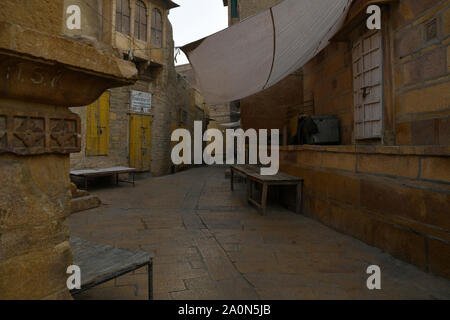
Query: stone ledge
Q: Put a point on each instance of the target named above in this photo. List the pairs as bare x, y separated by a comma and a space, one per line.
65, 50
388, 150
436, 186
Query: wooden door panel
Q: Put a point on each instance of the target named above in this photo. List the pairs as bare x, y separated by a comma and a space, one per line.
97, 126
140, 142
367, 86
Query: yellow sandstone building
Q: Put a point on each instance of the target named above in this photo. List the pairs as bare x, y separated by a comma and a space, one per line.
131, 126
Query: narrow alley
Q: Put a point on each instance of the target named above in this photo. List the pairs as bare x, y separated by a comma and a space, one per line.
210, 244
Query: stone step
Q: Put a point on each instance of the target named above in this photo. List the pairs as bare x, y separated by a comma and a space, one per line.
84, 203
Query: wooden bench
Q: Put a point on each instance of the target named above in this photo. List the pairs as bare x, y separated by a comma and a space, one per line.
100, 263
252, 173
90, 173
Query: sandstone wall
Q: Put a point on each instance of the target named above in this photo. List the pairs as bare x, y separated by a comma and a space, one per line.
394, 198
328, 83
416, 68
421, 33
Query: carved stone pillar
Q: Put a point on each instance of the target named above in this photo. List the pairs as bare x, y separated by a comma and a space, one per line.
42, 74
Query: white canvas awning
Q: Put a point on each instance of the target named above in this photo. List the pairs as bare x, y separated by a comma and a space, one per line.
261, 50
231, 125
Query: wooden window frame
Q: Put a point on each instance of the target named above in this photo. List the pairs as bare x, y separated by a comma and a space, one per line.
140, 21
157, 30
123, 19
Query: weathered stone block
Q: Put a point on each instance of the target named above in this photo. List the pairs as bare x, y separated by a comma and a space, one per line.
398, 76
84, 203
428, 99
428, 66
439, 257
444, 131
18, 241
408, 41
40, 272
434, 168
424, 206
403, 133
446, 24
310, 158
353, 222
33, 190
425, 132
343, 161
403, 166
448, 58
303, 173
401, 243
343, 189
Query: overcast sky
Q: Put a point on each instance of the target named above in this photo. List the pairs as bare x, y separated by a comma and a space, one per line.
196, 19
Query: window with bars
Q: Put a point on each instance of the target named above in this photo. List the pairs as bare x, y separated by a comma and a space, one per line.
157, 28
123, 16
140, 21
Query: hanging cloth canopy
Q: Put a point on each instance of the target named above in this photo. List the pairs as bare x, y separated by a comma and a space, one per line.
231, 125
258, 52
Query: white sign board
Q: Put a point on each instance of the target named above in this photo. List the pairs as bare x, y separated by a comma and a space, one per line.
141, 102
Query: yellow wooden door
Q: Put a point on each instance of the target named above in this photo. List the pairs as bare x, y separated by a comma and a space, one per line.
140, 142
97, 126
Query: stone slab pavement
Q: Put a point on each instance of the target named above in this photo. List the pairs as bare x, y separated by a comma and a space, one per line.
210, 244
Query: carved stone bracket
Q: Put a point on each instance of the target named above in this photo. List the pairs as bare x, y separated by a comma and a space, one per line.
32, 133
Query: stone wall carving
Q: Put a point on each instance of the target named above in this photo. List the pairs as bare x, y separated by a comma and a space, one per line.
32, 133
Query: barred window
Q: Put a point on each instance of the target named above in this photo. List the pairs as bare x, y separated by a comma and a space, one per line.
123, 16
140, 21
157, 28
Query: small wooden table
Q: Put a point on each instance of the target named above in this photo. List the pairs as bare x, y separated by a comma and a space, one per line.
252, 173
89, 173
100, 263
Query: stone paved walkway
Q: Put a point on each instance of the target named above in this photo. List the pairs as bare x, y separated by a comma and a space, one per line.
210, 244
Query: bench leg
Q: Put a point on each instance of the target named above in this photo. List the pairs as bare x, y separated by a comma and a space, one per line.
231, 179
150, 280
265, 188
249, 190
85, 183
299, 198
